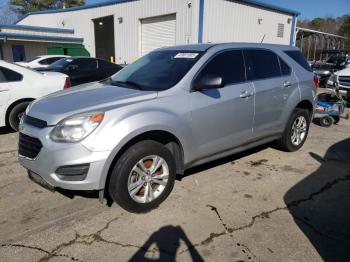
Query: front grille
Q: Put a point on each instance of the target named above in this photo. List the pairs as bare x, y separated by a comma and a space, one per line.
34, 121
344, 80
29, 146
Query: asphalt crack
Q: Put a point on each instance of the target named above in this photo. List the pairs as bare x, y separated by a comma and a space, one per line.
266, 215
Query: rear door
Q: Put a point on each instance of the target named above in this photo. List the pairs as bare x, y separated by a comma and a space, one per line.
273, 84
223, 118
8, 78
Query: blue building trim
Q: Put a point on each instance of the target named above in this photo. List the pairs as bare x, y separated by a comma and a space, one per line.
38, 28
292, 33
200, 21
8, 36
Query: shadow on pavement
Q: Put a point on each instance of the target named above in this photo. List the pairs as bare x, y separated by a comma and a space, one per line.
223, 161
320, 204
6, 130
167, 241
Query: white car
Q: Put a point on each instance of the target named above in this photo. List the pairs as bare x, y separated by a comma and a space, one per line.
341, 79
41, 61
19, 86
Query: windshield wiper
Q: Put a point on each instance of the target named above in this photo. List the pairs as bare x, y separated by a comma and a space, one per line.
127, 84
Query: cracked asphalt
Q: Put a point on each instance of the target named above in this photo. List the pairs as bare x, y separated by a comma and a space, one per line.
260, 205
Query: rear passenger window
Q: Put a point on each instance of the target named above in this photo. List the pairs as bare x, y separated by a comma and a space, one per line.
298, 57
285, 69
229, 65
7, 75
262, 64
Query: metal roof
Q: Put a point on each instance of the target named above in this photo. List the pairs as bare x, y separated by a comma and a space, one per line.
113, 2
38, 28
13, 36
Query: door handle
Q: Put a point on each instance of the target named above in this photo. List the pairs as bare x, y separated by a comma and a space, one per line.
287, 84
245, 94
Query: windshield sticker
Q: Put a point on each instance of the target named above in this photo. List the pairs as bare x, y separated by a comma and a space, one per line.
186, 55
69, 60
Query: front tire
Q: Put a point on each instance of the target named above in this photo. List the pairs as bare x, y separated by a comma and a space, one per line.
143, 177
296, 131
15, 115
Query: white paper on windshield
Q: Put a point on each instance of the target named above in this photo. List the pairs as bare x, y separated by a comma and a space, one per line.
186, 55
69, 60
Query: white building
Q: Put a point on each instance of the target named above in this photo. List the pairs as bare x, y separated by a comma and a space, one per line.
127, 29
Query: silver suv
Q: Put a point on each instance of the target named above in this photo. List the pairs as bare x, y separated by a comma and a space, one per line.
175, 108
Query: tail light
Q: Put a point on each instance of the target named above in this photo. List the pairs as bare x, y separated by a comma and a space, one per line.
67, 84
316, 81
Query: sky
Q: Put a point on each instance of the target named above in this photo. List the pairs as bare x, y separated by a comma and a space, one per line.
308, 8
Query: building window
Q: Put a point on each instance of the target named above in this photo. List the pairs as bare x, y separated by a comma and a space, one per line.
280, 30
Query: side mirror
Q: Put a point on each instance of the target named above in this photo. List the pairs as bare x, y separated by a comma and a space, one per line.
208, 82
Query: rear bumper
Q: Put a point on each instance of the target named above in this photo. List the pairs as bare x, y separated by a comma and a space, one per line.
53, 157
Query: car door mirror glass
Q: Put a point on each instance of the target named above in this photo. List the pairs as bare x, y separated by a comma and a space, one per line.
208, 82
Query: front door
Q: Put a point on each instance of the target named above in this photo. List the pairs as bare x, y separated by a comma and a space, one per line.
223, 118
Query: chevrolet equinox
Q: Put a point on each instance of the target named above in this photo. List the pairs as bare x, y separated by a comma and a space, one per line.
172, 109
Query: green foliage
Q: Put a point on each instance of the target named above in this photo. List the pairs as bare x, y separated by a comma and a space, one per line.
317, 23
26, 6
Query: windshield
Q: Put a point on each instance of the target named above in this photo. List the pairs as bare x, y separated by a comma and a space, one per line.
61, 63
157, 71
336, 59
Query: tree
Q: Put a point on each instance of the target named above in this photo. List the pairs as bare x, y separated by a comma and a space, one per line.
7, 15
345, 29
26, 6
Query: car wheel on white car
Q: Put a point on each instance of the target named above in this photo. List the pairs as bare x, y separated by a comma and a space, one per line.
15, 115
143, 177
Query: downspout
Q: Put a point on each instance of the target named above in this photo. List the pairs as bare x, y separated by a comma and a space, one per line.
293, 34
1, 52
200, 22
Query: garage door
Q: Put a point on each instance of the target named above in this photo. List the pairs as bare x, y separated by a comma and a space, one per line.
157, 32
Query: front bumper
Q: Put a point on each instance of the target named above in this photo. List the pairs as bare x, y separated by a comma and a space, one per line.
53, 156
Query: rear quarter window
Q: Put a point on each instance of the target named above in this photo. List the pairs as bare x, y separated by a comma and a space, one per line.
7, 75
298, 57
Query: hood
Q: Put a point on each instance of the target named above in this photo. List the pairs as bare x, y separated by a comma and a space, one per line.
91, 97
344, 72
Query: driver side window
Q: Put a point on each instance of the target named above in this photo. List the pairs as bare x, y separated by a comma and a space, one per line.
229, 65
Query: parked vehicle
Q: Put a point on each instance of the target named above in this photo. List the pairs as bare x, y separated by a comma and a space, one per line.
172, 109
325, 69
19, 86
83, 70
41, 61
341, 80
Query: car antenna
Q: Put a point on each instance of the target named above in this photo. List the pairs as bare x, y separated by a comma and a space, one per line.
262, 40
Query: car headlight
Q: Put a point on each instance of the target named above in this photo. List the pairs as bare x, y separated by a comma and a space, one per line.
332, 80
75, 128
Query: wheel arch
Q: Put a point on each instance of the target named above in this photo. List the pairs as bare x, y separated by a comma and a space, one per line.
168, 139
306, 104
13, 104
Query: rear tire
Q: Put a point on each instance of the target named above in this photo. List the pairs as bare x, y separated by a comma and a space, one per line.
293, 138
326, 121
15, 115
136, 184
